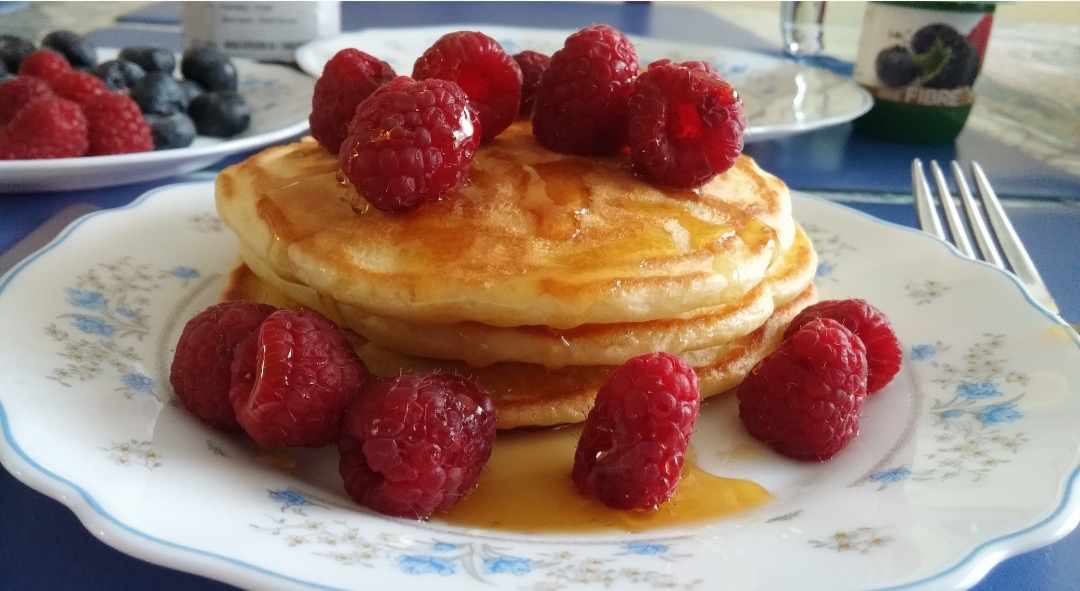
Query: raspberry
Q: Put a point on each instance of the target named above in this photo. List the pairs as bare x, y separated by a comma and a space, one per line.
17, 92
411, 141
804, 399
347, 79
533, 65
44, 64
883, 353
200, 373
631, 451
79, 86
581, 103
414, 445
477, 63
292, 382
116, 125
685, 124
49, 127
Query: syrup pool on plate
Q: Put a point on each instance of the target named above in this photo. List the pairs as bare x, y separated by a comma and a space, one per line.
526, 487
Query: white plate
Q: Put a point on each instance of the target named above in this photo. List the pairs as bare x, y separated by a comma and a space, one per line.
968, 457
781, 98
280, 101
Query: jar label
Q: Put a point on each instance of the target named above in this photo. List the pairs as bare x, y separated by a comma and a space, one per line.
922, 56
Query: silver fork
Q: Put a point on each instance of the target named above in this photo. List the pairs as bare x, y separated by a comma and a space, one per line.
1002, 228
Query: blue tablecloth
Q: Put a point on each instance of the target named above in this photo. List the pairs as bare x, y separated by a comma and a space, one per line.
42, 545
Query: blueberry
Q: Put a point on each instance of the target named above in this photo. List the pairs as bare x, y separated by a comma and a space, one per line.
220, 114
209, 67
171, 131
150, 59
191, 89
79, 52
923, 39
947, 59
13, 50
895, 66
119, 74
160, 94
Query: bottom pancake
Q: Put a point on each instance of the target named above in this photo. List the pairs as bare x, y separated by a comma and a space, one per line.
528, 395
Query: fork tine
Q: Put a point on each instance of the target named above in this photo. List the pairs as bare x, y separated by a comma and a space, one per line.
1006, 234
976, 220
956, 226
924, 201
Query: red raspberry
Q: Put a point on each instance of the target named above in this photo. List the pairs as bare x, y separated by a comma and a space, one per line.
44, 64
883, 353
347, 79
292, 382
581, 103
414, 445
804, 399
17, 92
477, 63
411, 141
685, 124
79, 86
116, 125
49, 127
533, 65
631, 451
200, 373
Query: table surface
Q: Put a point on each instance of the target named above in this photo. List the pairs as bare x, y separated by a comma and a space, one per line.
42, 545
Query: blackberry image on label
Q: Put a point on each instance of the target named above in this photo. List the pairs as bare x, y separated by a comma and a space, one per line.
947, 59
896, 66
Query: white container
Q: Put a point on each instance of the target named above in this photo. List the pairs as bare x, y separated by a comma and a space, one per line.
268, 31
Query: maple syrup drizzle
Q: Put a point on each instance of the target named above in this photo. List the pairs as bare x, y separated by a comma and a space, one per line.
526, 487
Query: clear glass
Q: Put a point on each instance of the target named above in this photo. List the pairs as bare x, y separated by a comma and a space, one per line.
801, 27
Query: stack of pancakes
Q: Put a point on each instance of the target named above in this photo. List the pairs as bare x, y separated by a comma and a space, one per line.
537, 278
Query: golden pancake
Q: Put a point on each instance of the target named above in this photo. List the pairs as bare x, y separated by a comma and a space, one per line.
535, 239
590, 344
527, 395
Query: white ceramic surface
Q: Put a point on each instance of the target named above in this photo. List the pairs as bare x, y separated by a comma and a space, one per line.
969, 456
280, 101
781, 98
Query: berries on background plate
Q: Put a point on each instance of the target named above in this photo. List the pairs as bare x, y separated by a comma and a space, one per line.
13, 50
685, 124
46, 127
220, 114
159, 93
201, 369
119, 74
477, 63
79, 86
347, 79
116, 125
883, 353
632, 448
211, 68
171, 131
293, 381
581, 103
45, 64
79, 52
533, 64
415, 444
150, 59
804, 399
411, 141
191, 89
17, 92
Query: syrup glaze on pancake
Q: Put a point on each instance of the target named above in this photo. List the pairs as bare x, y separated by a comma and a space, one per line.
589, 344
528, 395
536, 238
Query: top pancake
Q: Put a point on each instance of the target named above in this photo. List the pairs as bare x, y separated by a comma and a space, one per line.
535, 238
